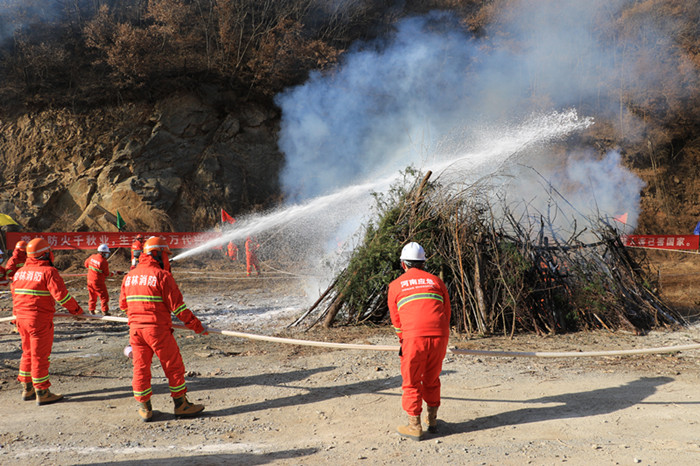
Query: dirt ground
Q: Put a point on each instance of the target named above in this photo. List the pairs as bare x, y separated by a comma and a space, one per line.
281, 404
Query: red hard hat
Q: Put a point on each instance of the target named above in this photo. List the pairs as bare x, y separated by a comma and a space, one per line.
156, 243
21, 245
38, 247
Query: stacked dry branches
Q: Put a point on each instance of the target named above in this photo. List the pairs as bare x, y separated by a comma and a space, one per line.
504, 274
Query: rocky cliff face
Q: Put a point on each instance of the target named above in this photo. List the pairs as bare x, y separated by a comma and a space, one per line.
165, 166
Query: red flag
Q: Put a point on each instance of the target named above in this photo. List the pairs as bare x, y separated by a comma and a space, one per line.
226, 218
621, 218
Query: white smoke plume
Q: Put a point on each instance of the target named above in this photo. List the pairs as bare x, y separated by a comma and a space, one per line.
393, 102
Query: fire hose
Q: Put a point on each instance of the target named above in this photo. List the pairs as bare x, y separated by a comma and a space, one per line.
486, 353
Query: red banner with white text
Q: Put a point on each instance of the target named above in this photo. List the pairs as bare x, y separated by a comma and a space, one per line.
90, 240
685, 242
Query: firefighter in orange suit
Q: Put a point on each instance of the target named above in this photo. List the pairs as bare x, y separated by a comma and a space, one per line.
19, 255
232, 251
98, 271
136, 248
251, 256
35, 289
420, 312
149, 295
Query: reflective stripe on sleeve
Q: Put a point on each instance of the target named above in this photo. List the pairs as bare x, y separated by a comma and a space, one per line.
180, 309
417, 296
65, 300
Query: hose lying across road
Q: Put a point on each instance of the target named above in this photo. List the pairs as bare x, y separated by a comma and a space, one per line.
323, 344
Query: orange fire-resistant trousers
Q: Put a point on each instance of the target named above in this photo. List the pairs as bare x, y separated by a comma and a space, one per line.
159, 340
421, 365
98, 291
37, 340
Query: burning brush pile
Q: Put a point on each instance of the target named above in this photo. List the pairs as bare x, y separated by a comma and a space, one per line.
504, 274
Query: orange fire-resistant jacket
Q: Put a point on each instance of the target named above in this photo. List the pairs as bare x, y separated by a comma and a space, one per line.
15, 262
419, 305
98, 269
35, 289
149, 294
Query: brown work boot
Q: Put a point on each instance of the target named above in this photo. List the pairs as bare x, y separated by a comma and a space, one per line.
106, 313
146, 411
431, 419
45, 397
413, 430
184, 408
28, 392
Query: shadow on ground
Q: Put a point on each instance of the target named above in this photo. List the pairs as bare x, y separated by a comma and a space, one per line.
569, 405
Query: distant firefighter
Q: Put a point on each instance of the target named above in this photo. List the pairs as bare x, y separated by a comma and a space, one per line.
251, 256
136, 248
19, 255
232, 251
98, 271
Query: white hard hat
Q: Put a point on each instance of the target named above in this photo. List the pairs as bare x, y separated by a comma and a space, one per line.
413, 252
102, 248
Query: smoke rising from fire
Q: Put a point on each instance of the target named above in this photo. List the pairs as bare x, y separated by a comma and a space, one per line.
391, 103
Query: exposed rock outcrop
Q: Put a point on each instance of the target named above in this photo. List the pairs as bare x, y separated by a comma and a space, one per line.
167, 166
